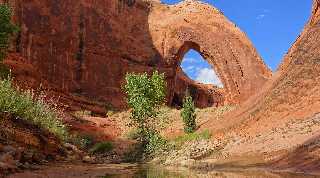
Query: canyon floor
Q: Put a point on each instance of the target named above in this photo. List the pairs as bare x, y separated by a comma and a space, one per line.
224, 151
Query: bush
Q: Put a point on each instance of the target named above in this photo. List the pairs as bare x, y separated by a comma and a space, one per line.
145, 95
155, 143
204, 135
82, 141
133, 134
6, 29
4, 71
102, 147
188, 115
25, 106
134, 153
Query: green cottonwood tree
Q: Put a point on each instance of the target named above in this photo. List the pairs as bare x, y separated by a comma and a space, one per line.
188, 114
145, 95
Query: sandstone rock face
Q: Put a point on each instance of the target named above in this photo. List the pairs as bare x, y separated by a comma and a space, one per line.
203, 95
284, 116
194, 25
83, 48
295, 89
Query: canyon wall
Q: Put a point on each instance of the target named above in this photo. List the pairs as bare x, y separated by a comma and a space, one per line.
289, 100
81, 50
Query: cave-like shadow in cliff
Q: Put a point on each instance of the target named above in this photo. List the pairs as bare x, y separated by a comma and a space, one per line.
116, 46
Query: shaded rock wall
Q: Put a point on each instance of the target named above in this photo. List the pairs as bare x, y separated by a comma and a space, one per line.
84, 48
203, 95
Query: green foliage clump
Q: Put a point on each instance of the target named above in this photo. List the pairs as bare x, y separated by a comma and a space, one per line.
25, 106
4, 71
134, 154
188, 114
133, 134
82, 141
102, 147
145, 95
204, 135
6, 29
155, 143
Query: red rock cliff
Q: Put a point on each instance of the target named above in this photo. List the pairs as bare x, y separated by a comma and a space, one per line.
81, 49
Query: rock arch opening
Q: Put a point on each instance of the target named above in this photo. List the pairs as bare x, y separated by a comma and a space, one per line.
198, 69
198, 76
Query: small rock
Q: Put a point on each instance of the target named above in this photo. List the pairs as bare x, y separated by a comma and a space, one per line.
7, 161
88, 159
28, 155
9, 149
72, 148
6, 158
6, 166
26, 165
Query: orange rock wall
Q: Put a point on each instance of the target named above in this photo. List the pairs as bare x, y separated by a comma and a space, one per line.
84, 48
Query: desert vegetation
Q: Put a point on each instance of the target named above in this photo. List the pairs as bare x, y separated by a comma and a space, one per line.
6, 29
188, 114
23, 104
145, 95
110, 116
26, 105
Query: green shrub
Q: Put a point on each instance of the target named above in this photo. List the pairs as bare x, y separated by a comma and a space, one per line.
145, 95
25, 106
102, 147
188, 115
82, 141
134, 153
155, 143
4, 71
133, 134
6, 29
204, 135
110, 113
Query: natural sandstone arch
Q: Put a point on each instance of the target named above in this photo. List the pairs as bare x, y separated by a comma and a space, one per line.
195, 25
187, 46
204, 95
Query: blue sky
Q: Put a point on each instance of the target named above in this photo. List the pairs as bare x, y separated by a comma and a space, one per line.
271, 25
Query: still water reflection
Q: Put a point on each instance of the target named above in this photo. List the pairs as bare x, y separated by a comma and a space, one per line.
152, 172
141, 171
